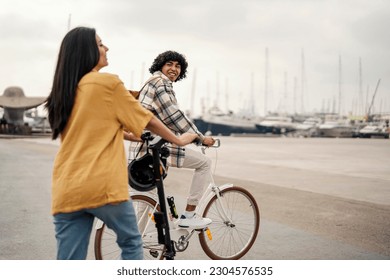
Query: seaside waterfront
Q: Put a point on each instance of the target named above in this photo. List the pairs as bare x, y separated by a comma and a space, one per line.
320, 198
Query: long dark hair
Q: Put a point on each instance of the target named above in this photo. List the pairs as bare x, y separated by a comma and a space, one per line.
164, 57
78, 55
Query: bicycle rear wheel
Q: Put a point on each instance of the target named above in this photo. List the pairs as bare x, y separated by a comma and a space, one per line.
105, 239
231, 240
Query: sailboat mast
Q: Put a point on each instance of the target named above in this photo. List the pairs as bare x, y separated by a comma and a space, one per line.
227, 94
266, 82
361, 102
252, 101
295, 96
69, 21
192, 112
216, 102
303, 82
285, 93
373, 98
340, 81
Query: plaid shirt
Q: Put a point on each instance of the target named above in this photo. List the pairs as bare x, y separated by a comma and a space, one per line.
158, 96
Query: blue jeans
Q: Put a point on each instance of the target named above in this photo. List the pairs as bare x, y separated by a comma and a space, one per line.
73, 231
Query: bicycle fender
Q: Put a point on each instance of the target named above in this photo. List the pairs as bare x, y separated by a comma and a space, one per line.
225, 186
210, 195
149, 194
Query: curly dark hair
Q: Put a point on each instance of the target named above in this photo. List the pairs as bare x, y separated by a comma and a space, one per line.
164, 57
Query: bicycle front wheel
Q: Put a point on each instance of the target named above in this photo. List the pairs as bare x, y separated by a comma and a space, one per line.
105, 239
230, 237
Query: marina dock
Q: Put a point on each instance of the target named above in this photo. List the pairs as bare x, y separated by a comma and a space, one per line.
320, 198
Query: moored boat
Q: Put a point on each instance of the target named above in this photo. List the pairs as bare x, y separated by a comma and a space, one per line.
375, 130
308, 128
336, 129
276, 125
216, 122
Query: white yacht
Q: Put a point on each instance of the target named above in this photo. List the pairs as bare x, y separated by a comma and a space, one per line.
276, 125
336, 129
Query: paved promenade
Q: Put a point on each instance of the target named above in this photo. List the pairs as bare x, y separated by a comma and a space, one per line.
319, 198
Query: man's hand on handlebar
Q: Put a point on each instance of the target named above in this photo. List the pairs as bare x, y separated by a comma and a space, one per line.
208, 141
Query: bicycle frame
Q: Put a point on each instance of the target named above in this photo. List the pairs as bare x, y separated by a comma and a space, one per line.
177, 232
209, 193
233, 210
161, 218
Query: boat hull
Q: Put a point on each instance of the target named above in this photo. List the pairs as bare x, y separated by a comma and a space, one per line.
336, 132
274, 129
223, 129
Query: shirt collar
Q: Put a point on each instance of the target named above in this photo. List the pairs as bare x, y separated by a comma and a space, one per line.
161, 74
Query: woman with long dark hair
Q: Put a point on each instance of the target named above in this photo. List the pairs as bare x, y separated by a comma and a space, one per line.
90, 111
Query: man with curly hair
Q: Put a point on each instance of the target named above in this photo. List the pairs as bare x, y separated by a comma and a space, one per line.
158, 96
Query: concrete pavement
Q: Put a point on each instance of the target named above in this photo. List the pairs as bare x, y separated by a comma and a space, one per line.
319, 198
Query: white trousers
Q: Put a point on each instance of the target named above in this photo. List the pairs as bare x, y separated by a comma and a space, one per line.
202, 175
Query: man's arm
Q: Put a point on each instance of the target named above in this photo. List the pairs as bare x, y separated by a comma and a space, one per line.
169, 112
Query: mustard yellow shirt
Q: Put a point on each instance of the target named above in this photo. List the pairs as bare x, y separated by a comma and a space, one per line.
90, 167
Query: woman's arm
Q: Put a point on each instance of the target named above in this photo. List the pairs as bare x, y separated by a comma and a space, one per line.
157, 127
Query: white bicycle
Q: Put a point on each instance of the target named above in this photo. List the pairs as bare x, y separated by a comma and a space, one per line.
233, 210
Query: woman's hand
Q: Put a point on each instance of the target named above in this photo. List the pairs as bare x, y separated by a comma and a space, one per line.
131, 137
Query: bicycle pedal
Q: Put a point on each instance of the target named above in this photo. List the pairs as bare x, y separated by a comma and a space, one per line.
208, 232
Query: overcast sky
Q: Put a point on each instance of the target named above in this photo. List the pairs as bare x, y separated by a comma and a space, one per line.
314, 48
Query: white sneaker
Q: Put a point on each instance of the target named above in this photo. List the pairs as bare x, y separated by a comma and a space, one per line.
195, 222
